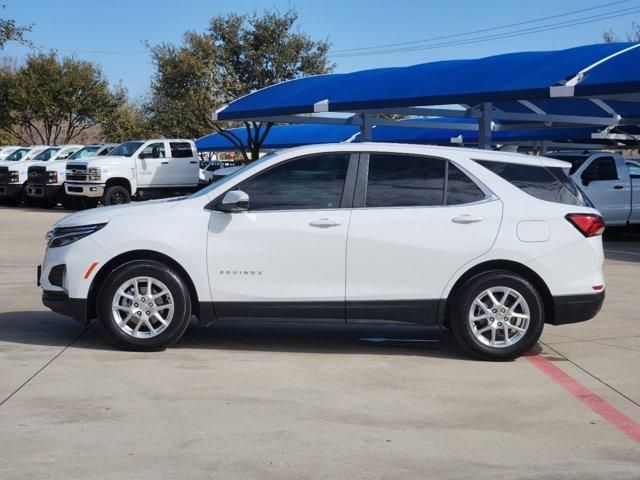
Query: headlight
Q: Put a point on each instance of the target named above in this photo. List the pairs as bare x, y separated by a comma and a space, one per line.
14, 177
52, 177
60, 237
94, 173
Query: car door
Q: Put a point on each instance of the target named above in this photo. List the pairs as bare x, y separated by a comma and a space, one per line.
285, 256
634, 173
183, 164
608, 187
153, 165
410, 231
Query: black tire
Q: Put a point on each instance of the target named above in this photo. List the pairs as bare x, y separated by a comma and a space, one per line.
48, 204
116, 195
179, 295
462, 303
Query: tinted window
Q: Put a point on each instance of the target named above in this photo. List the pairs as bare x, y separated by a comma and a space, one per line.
404, 181
460, 188
309, 182
180, 150
576, 161
603, 168
106, 151
538, 182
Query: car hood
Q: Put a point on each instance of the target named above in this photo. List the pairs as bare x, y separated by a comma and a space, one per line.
22, 165
104, 214
103, 162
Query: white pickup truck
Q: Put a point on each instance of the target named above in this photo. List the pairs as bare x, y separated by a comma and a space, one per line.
611, 183
13, 173
138, 169
45, 183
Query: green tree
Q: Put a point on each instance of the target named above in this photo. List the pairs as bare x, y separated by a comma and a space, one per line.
10, 31
127, 122
610, 36
54, 100
236, 55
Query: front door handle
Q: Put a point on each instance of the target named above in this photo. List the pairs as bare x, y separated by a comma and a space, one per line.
325, 223
466, 219
164, 163
618, 187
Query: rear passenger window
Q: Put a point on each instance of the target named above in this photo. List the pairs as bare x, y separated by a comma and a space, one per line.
460, 188
180, 150
539, 182
404, 181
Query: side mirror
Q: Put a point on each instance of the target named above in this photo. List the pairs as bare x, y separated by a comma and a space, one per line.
235, 201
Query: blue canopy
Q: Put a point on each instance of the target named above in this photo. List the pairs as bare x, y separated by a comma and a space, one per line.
281, 137
557, 82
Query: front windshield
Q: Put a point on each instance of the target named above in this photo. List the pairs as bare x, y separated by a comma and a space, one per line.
46, 154
126, 149
17, 155
84, 152
231, 176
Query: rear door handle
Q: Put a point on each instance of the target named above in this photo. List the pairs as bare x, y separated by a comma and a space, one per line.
193, 162
164, 163
466, 219
325, 223
618, 187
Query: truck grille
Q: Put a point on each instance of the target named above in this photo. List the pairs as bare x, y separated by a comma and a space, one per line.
37, 175
4, 175
76, 172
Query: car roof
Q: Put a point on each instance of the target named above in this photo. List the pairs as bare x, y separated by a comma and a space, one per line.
472, 153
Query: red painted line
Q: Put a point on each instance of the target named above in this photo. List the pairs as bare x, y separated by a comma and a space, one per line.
90, 269
600, 406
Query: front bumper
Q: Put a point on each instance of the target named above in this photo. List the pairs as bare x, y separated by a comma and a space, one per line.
576, 308
60, 302
95, 190
47, 192
10, 190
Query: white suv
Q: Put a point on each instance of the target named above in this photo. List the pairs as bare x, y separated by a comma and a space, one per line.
492, 245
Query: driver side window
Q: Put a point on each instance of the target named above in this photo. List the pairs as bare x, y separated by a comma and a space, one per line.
313, 182
154, 150
603, 168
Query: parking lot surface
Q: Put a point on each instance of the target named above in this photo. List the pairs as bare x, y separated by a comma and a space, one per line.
311, 401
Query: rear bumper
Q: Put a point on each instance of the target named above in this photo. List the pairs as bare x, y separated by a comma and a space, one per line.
95, 190
47, 192
10, 189
576, 308
60, 302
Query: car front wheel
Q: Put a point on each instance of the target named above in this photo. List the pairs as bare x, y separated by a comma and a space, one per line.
144, 305
498, 315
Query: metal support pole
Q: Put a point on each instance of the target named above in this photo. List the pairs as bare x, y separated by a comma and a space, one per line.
366, 128
484, 127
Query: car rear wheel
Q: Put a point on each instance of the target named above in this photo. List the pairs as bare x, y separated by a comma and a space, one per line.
498, 315
144, 305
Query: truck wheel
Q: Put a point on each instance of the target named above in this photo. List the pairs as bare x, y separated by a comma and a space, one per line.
497, 315
49, 204
116, 195
144, 305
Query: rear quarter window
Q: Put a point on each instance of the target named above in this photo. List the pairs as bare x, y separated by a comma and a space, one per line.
549, 184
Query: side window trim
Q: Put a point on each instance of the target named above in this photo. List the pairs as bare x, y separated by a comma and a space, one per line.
360, 195
347, 190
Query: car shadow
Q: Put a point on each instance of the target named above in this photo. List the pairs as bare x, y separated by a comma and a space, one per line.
50, 329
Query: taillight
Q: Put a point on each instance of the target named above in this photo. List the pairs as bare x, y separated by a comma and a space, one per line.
588, 224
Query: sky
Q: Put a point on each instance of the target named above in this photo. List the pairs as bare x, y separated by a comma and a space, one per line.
111, 32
